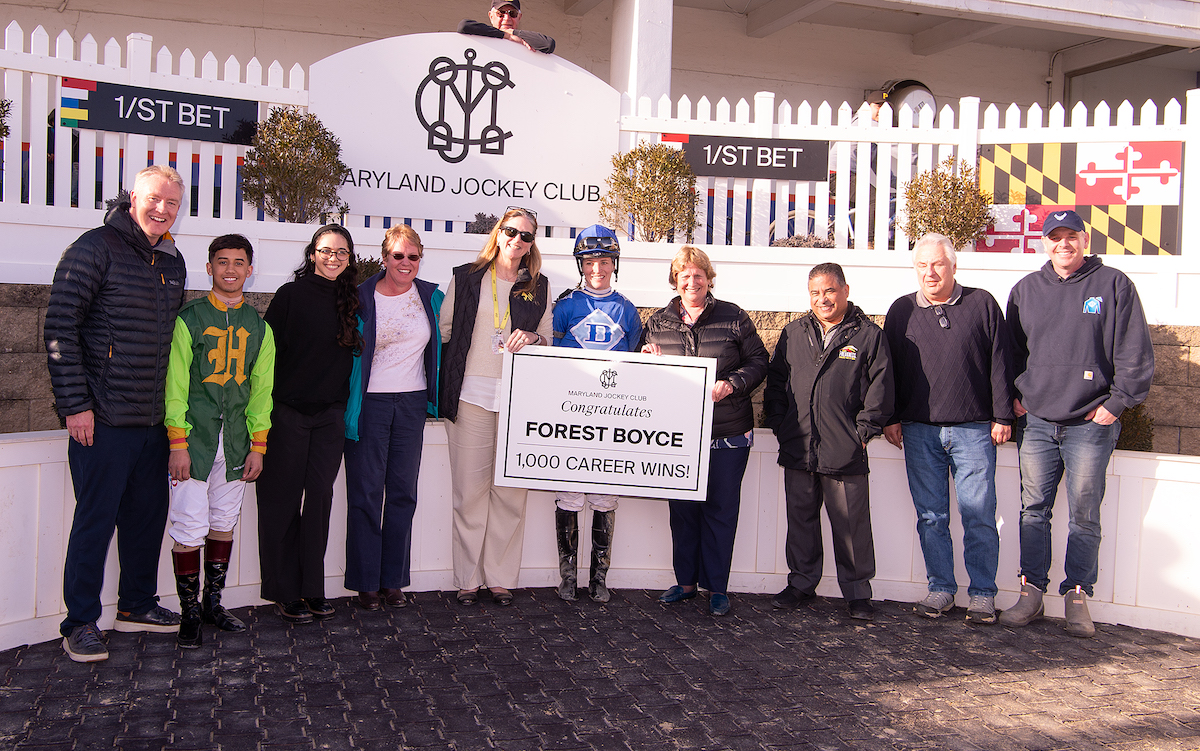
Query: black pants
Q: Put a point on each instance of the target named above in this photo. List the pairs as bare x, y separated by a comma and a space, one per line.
295, 494
702, 534
847, 504
120, 484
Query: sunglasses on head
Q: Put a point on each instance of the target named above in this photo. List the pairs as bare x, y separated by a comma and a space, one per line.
398, 256
526, 237
529, 212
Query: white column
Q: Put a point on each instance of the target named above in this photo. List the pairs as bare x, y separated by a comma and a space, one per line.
641, 50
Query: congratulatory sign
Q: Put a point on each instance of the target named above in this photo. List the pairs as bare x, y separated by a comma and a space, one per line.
602, 422
443, 126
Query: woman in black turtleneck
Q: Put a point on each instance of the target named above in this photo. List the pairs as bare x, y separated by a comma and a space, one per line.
314, 323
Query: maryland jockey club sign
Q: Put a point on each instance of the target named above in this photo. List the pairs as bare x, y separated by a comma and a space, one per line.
453, 125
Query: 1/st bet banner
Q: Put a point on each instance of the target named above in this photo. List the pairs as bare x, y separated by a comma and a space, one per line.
622, 423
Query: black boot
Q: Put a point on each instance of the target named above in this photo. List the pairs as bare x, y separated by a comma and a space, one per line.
603, 523
216, 566
567, 525
187, 584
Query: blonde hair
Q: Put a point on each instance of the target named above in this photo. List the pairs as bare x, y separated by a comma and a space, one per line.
491, 249
690, 255
398, 234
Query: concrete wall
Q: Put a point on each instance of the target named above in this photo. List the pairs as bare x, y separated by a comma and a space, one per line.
1148, 557
27, 404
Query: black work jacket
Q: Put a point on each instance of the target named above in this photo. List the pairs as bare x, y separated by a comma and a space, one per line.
825, 403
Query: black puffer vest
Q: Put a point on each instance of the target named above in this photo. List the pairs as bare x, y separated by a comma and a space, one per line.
527, 310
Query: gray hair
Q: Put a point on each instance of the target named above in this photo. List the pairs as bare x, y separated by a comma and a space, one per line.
940, 241
165, 172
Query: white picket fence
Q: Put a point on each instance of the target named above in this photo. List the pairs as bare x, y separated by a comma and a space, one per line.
736, 212
752, 212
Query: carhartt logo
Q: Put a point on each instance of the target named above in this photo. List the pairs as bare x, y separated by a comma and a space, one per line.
608, 379
461, 90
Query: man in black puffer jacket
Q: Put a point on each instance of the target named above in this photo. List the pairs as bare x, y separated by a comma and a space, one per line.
108, 331
829, 391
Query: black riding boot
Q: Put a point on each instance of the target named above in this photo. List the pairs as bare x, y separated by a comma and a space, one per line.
187, 584
603, 523
216, 567
567, 525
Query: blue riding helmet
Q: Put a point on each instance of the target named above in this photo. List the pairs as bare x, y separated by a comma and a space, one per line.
597, 242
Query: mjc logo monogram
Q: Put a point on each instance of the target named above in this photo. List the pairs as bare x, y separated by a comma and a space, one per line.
461, 89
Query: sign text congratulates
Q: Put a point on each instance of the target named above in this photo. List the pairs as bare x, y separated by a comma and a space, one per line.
605, 422
451, 125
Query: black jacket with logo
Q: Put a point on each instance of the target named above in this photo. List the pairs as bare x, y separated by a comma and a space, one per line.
724, 332
108, 328
824, 403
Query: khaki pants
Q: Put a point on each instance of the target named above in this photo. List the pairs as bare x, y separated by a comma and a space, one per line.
489, 522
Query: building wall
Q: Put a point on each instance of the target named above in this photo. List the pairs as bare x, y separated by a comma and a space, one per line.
712, 56
827, 63
27, 404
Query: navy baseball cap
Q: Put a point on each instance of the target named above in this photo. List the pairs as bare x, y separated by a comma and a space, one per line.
501, 3
1056, 219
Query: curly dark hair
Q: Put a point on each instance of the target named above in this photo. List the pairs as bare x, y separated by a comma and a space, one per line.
347, 292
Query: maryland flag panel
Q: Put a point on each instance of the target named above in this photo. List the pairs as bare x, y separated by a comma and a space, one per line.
1127, 193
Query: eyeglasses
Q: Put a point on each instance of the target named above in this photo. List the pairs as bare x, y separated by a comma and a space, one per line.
526, 237
529, 212
398, 256
508, 12
943, 321
342, 255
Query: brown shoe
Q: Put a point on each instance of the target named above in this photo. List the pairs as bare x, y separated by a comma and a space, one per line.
395, 598
368, 600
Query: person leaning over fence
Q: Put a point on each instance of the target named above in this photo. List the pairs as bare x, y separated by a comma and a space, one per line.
829, 391
592, 316
1082, 356
113, 303
953, 368
392, 387
503, 18
219, 382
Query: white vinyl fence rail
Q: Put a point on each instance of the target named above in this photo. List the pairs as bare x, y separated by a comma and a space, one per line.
738, 211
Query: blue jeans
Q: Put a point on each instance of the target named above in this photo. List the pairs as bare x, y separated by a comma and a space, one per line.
1047, 452
381, 490
932, 454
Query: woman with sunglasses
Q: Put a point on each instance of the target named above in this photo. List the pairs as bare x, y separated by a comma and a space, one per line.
497, 304
393, 385
314, 320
